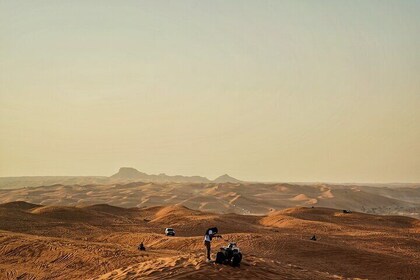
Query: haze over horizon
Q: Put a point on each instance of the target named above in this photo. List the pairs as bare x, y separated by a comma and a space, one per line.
260, 90
211, 179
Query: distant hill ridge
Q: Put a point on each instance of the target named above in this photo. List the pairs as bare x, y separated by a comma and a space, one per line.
124, 175
226, 179
130, 174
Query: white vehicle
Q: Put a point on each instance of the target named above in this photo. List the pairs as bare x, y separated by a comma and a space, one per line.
169, 232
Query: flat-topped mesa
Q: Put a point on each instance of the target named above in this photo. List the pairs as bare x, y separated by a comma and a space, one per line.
128, 173
132, 174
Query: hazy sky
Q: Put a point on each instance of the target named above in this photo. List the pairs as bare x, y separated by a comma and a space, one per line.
262, 90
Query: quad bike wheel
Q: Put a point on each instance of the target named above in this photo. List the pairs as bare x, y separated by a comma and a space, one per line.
236, 259
220, 258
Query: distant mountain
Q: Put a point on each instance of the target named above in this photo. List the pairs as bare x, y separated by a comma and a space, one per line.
132, 174
226, 179
128, 173
124, 175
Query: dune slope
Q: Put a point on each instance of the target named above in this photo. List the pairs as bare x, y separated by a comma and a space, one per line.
100, 242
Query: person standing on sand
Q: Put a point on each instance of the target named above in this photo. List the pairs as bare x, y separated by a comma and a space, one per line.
141, 247
208, 236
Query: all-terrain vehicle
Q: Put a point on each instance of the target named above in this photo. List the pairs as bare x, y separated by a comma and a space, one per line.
169, 232
230, 254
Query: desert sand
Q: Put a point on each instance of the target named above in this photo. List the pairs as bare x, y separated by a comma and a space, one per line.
100, 242
225, 194
240, 198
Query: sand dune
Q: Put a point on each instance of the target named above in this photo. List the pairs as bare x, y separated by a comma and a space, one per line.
100, 241
240, 198
300, 197
190, 267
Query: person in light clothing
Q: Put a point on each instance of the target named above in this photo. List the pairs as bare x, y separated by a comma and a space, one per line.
208, 236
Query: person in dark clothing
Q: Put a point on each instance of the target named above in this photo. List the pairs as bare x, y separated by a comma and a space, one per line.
141, 247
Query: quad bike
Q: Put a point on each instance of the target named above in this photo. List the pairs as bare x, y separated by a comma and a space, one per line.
230, 254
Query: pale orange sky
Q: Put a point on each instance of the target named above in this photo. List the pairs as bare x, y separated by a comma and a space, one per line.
262, 90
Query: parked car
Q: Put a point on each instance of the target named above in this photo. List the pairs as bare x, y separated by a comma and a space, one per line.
169, 232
